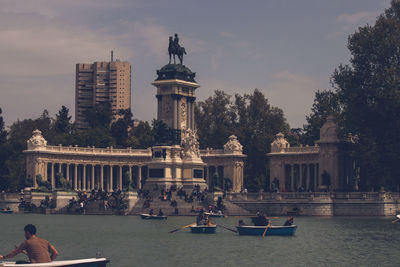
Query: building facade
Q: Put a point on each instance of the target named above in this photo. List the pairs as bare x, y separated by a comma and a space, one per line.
101, 82
327, 166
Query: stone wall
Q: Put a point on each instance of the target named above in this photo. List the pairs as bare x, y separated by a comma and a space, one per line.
320, 204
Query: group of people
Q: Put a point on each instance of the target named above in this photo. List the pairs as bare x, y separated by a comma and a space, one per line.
105, 200
203, 218
261, 219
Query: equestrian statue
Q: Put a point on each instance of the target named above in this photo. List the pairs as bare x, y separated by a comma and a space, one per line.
175, 49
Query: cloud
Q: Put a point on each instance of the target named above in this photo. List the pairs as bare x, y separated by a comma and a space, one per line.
357, 17
226, 34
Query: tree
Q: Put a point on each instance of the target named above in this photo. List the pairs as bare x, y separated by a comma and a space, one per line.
3, 132
325, 103
369, 91
214, 120
142, 136
120, 129
252, 119
62, 124
258, 123
99, 116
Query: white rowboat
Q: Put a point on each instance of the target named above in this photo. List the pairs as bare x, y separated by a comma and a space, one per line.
93, 262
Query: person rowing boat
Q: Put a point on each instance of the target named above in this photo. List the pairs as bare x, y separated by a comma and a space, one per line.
38, 250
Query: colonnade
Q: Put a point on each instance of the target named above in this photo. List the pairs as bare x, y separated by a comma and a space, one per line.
302, 176
86, 176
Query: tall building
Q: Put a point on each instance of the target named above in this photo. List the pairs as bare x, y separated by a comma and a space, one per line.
101, 82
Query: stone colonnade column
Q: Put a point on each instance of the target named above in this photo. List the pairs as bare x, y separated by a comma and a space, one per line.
92, 184
52, 176
84, 178
110, 184
120, 178
67, 174
76, 177
139, 186
102, 177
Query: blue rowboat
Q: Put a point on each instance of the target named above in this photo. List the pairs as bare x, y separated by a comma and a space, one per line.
272, 230
93, 262
6, 211
203, 229
152, 217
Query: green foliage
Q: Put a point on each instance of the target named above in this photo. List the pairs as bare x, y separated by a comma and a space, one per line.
100, 116
142, 136
325, 103
369, 91
252, 119
161, 132
121, 128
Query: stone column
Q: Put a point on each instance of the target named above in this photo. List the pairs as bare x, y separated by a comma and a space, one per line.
84, 178
307, 177
52, 177
292, 178
120, 178
139, 186
67, 174
192, 125
159, 98
175, 113
92, 185
110, 184
59, 167
76, 177
178, 115
130, 174
102, 177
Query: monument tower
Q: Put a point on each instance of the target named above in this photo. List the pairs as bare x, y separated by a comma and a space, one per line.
176, 93
177, 161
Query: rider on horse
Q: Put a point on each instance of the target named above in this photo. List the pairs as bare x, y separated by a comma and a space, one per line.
175, 49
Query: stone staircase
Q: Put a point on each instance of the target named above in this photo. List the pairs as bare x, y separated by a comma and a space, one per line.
184, 208
233, 209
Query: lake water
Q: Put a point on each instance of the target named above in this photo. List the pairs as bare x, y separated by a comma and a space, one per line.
131, 241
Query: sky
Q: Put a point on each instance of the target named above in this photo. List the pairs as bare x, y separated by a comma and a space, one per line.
288, 49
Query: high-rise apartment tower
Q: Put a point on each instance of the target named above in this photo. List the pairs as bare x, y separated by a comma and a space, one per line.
101, 82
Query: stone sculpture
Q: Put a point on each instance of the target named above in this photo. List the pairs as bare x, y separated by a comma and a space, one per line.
36, 141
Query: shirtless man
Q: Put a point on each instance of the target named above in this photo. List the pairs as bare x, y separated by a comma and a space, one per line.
38, 250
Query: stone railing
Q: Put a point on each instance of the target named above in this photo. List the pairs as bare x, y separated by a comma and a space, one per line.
315, 195
205, 152
93, 150
301, 149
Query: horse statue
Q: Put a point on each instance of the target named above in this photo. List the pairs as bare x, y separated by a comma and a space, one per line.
174, 49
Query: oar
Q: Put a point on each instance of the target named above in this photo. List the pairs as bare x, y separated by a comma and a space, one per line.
266, 228
175, 230
227, 228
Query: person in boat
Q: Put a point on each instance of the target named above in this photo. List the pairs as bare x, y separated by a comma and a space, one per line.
288, 222
151, 212
207, 220
261, 219
160, 213
241, 223
200, 217
38, 250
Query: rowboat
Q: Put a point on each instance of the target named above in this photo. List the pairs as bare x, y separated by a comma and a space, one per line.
214, 214
92, 262
272, 230
203, 229
146, 216
6, 211
398, 216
